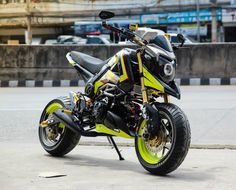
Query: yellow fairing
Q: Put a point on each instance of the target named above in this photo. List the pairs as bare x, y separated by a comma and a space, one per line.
103, 129
97, 85
113, 61
108, 76
150, 81
124, 76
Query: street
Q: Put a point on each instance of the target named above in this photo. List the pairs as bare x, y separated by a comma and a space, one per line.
210, 109
211, 112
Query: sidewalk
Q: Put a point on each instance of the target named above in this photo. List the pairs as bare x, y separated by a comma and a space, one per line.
98, 167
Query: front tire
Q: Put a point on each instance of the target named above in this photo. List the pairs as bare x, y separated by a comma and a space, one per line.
65, 139
175, 138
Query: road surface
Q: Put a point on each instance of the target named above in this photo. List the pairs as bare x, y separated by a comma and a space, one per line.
211, 111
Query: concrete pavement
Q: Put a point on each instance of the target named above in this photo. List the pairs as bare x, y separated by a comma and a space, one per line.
211, 112
98, 167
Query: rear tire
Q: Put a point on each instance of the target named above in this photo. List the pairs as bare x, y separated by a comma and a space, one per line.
66, 139
179, 135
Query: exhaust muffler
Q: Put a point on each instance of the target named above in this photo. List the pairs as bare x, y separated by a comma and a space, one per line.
67, 120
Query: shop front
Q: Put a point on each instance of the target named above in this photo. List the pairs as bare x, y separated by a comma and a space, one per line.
183, 22
229, 23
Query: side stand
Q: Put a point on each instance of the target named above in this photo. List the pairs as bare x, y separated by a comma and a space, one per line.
111, 141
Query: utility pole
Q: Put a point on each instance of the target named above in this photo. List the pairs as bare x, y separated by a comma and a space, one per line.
28, 33
198, 20
213, 21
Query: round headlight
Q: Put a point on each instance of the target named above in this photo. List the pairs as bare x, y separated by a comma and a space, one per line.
167, 70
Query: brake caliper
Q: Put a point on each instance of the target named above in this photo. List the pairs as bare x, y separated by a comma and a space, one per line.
151, 116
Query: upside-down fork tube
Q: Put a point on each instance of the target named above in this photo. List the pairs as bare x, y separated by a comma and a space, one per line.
152, 120
143, 89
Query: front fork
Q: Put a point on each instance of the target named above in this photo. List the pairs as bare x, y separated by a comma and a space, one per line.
149, 113
143, 88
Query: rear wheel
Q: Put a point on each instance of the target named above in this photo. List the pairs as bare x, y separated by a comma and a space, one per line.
57, 139
164, 152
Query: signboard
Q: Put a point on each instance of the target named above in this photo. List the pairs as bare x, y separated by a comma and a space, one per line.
179, 17
188, 29
229, 15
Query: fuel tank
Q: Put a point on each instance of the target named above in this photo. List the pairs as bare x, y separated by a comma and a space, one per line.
119, 70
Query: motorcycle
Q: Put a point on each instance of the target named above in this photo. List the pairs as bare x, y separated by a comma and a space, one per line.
127, 96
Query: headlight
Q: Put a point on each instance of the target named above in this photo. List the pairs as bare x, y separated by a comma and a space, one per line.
167, 69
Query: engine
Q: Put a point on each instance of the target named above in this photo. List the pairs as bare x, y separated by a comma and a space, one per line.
116, 114
100, 110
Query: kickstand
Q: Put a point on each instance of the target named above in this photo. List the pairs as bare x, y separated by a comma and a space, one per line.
112, 142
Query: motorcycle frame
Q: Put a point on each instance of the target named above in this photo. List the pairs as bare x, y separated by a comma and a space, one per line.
145, 78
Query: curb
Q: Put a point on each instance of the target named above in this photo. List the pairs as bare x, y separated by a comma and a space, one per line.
192, 146
68, 83
41, 83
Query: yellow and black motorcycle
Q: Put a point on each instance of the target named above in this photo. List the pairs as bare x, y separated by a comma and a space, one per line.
125, 96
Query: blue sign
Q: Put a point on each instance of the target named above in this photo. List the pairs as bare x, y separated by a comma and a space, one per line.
179, 17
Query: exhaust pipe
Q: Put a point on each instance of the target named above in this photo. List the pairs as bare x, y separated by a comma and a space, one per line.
114, 121
67, 120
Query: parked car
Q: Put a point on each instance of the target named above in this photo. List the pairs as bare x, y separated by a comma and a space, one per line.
173, 39
69, 39
50, 41
36, 41
97, 40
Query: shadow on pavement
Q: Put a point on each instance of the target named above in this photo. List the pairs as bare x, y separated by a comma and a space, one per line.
180, 175
113, 164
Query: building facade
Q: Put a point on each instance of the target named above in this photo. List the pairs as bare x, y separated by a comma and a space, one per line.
50, 18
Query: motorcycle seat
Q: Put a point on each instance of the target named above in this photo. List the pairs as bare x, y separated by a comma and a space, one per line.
92, 64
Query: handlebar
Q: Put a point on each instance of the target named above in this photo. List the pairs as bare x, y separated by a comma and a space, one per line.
128, 33
110, 27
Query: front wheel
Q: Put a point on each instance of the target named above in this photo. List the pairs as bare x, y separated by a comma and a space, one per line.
164, 152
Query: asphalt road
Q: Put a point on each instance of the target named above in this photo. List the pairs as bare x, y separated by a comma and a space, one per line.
211, 111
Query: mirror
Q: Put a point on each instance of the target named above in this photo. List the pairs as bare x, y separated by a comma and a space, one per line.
181, 39
106, 15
